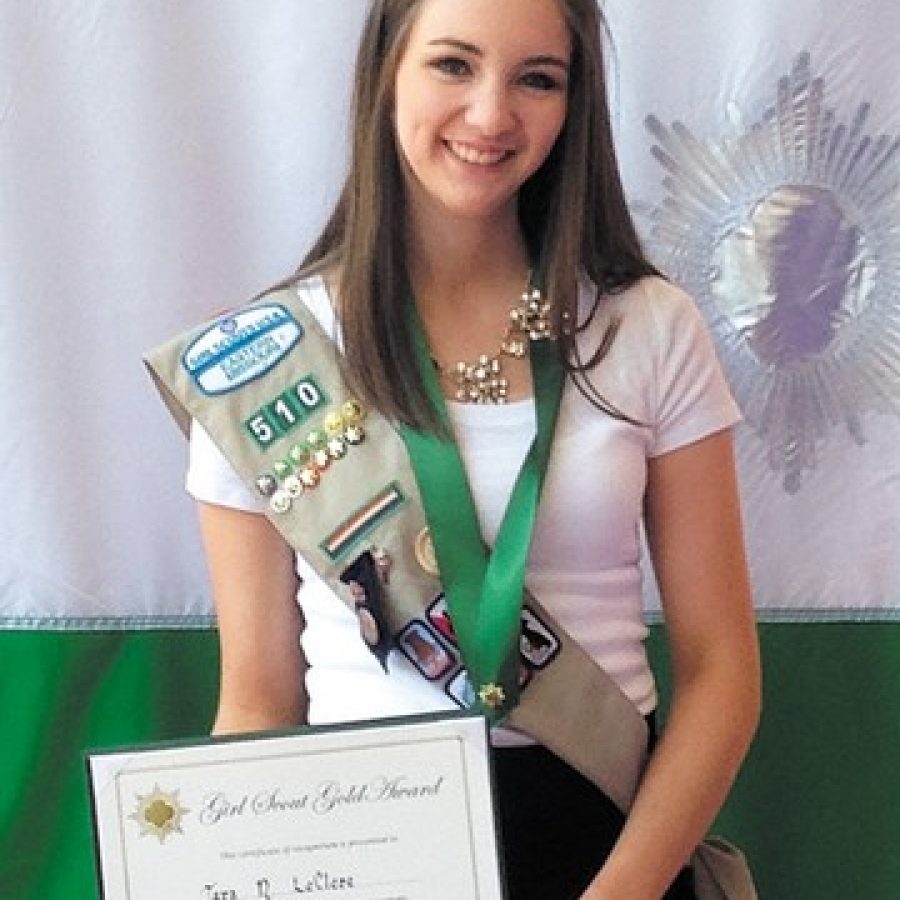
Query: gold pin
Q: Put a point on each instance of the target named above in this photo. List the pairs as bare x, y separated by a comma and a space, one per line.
333, 424
492, 695
425, 555
352, 412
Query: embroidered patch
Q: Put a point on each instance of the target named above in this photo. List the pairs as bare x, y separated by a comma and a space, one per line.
285, 412
363, 521
538, 644
424, 650
459, 690
439, 617
240, 347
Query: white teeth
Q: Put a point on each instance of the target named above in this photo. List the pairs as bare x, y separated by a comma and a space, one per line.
477, 157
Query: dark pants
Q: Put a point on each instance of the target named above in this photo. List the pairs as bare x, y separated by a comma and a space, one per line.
556, 828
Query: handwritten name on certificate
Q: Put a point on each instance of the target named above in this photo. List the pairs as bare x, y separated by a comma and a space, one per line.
375, 811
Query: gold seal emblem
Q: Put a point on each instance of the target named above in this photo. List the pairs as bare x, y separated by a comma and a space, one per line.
425, 554
159, 813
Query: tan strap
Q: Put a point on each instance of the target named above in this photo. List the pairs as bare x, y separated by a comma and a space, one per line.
368, 500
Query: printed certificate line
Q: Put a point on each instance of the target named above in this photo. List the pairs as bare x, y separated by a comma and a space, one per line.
392, 886
346, 892
354, 891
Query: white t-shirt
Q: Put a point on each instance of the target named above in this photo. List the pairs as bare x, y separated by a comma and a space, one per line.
584, 565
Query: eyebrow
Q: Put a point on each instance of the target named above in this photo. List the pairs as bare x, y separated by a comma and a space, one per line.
475, 50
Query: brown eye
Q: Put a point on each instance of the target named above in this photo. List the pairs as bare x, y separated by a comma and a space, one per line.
451, 65
541, 81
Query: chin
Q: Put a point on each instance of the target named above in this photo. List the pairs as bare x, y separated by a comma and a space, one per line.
478, 208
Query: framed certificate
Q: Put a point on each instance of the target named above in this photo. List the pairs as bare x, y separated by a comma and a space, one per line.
394, 810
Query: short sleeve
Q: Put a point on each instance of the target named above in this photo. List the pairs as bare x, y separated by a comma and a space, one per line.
692, 399
211, 478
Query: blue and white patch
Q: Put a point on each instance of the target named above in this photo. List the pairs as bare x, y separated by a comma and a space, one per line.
241, 347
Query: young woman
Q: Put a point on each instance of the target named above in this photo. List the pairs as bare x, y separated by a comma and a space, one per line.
482, 167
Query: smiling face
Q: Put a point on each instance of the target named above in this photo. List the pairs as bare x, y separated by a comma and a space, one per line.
479, 101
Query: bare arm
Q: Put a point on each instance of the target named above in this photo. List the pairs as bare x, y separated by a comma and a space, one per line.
695, 538
254, 582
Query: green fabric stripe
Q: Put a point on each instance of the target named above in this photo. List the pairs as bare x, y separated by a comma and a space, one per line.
815, 807
62, 693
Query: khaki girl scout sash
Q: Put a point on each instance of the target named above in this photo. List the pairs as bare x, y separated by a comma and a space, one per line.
265, 382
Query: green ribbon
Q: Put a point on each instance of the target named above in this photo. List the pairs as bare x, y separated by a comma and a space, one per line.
483, 588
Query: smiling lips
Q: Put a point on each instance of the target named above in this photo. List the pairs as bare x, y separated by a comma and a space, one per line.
469, 154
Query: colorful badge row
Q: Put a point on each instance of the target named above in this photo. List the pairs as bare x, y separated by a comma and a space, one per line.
301, 470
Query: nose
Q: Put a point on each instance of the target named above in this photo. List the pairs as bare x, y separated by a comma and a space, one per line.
490, 109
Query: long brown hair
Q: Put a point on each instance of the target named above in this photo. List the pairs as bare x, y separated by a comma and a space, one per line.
572, 212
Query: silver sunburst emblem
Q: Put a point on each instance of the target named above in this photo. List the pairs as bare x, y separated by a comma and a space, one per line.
787, 235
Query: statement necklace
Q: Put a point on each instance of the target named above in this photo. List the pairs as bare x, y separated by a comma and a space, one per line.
483, 381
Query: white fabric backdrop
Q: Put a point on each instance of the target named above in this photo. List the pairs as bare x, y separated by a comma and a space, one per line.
161, 160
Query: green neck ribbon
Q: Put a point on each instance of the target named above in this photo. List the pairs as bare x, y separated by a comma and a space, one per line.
483, 588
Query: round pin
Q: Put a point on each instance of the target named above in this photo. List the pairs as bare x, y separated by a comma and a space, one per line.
321, 459
424, 549
353, 435
352, 412
337, 448
293, 486
282, 468
309, 476
316, 439
334, 423
266, 485
299, 454
280, 502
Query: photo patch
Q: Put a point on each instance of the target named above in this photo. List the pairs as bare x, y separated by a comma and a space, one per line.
425, 651
460, 691
538, 644
240, 347
439, 617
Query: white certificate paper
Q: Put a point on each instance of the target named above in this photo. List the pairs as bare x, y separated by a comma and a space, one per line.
375, 811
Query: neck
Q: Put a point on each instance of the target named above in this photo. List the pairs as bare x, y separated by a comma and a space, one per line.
450, 260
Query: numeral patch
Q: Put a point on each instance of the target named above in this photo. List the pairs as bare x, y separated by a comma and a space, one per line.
285, 412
